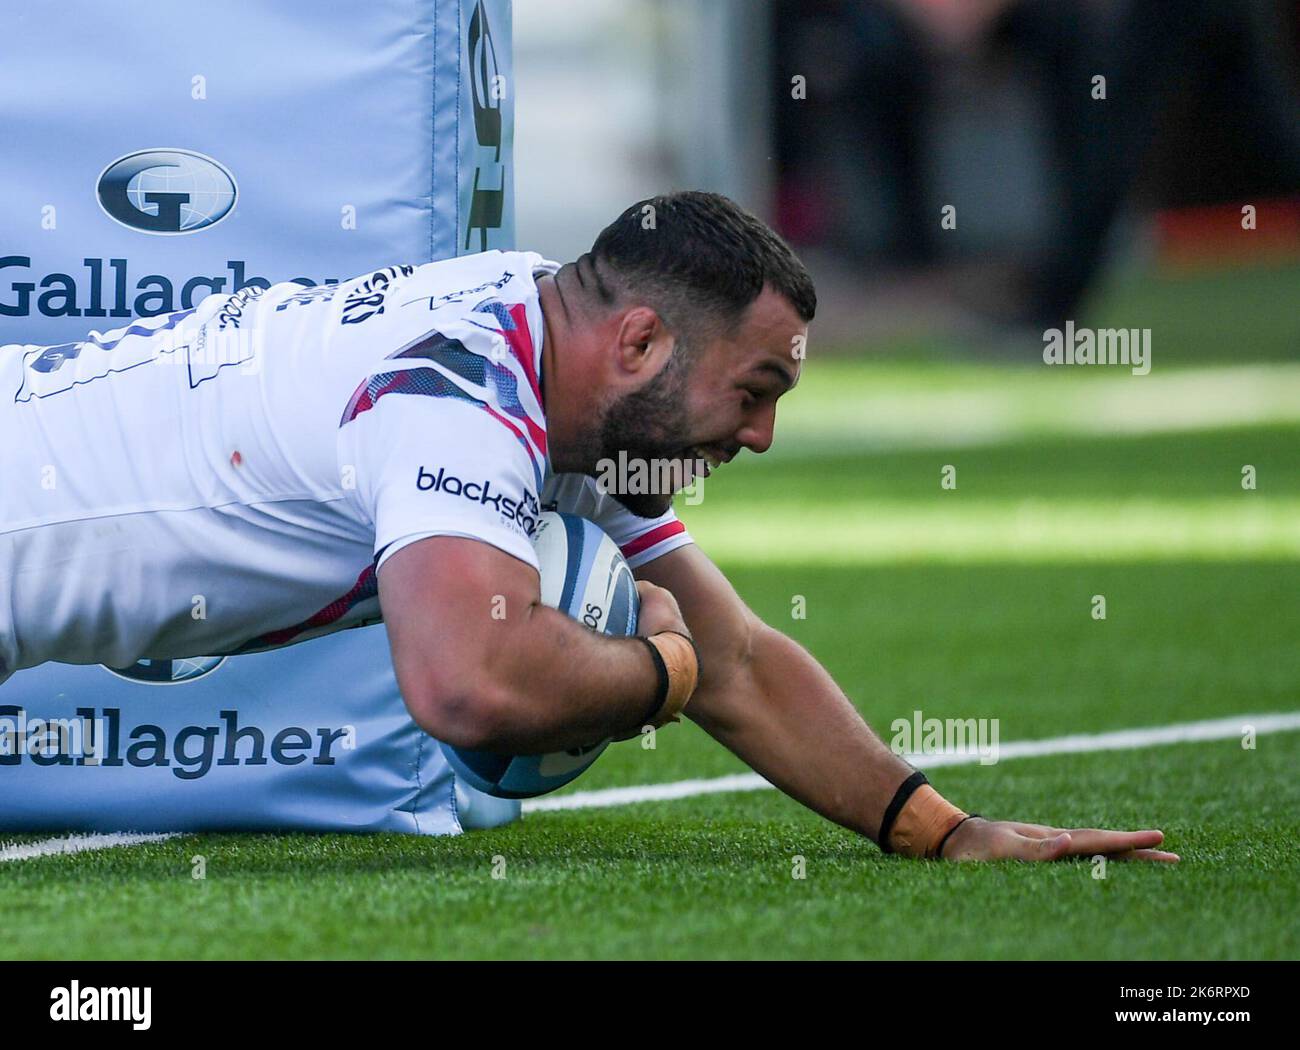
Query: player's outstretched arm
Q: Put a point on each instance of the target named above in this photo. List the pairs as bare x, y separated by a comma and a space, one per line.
764, 697
483, 664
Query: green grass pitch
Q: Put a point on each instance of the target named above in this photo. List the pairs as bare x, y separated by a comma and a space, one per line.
974, 602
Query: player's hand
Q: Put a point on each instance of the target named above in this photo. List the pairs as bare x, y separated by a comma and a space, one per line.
980, 839
659, 611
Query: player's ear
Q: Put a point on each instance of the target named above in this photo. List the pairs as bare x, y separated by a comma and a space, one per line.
640, 336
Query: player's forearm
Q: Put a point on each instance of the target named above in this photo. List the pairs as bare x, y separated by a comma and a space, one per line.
570, 686
783, 714
548, 684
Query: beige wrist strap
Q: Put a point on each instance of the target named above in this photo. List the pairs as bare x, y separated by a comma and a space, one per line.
923, 823
679, 665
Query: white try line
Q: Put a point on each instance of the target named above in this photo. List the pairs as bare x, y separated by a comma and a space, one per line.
1120, 740
76, 844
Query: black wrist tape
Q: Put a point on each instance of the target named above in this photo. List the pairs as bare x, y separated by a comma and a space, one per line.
944, 841
661, 693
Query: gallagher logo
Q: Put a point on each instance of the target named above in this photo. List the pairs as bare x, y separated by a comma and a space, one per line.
166, 191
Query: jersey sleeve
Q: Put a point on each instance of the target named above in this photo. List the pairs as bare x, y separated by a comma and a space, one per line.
640, 539
441, 466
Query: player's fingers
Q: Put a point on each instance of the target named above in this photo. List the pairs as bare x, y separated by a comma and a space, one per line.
1094, 840
658, 611
1027, 847
1033, 831
1158, 855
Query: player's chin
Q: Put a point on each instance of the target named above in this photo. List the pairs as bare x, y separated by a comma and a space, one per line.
645, 505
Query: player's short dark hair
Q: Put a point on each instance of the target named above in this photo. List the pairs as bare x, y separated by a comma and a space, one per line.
699, 259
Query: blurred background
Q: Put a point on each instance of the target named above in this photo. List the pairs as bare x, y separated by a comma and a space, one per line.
852, 124
1165, 196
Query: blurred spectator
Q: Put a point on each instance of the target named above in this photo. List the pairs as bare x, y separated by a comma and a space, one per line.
856, 157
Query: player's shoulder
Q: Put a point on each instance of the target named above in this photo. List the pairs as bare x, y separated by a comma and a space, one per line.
457, 285
504, 274
470, 337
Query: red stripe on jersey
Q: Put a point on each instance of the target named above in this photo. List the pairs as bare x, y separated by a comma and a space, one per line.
537, 433
366, 587
520, 341
648, 539
363, 400
519, 434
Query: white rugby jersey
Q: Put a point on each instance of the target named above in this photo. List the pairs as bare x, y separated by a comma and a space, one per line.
230, 478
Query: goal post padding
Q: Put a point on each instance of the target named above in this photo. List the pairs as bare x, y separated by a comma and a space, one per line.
158, 153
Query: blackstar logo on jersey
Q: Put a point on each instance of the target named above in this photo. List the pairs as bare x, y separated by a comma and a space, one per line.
522, 512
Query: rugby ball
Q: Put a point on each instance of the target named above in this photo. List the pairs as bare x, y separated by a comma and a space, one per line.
585, 575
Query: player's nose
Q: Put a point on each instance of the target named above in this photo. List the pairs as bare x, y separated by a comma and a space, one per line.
758, 432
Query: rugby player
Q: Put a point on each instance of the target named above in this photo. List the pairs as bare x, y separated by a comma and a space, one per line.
283, 462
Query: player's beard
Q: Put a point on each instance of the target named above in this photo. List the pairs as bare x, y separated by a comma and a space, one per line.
650, 425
